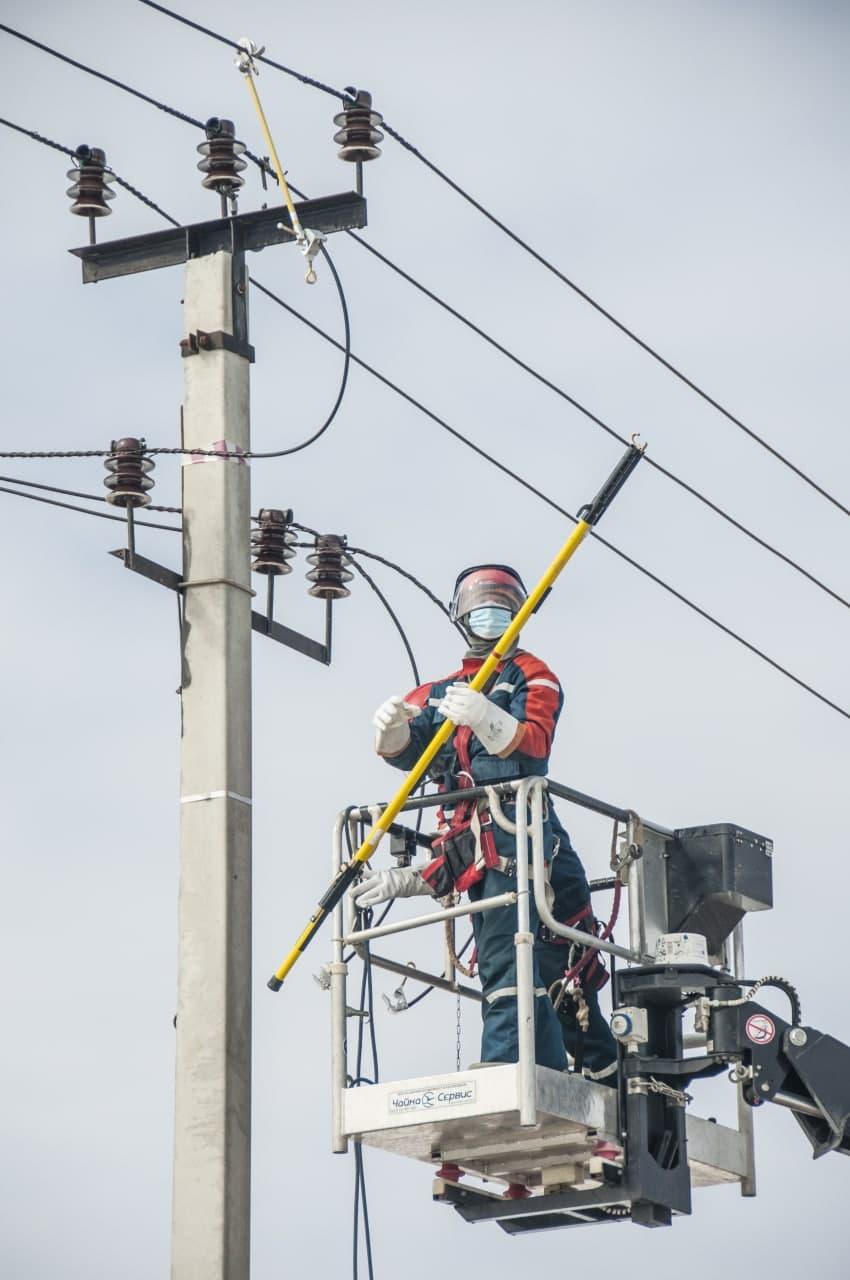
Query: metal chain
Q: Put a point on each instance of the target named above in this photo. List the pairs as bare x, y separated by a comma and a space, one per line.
651, 1085
457, 1027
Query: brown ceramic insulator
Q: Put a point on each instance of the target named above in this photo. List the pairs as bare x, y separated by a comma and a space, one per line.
359, 135
221, 164
272, 543
129, 480
329, 575
90, 191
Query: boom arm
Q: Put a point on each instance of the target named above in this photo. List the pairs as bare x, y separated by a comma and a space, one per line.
795, 1066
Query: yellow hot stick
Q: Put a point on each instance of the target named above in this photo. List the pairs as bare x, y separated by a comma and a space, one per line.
275, 158
497, 654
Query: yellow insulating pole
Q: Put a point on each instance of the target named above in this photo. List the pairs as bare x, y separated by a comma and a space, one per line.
245, 63
590, 515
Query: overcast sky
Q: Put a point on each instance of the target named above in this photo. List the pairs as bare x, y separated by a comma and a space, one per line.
686, 164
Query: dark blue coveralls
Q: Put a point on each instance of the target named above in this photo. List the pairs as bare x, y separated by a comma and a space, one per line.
526, 688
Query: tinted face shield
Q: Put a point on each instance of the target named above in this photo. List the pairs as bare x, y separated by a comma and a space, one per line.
487, 586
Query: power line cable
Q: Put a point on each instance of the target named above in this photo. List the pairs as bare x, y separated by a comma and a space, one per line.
458, 435
599, 422
529, 249
113, 176
233, 44
75, 493
500, 347
101, 515
390, 564
123, 86
405, 573
737, 524
344, 347
305, 528
177, 449
101, 75
550, 502
399, 628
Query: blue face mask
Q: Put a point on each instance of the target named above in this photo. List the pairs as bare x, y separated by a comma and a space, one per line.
488, 623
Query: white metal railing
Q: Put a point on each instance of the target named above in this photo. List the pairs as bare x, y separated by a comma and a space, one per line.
525, 793
645, 912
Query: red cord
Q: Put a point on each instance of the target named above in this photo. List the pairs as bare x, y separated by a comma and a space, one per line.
603, 936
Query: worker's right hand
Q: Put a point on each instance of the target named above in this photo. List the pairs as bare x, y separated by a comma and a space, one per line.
380, 886
391, 722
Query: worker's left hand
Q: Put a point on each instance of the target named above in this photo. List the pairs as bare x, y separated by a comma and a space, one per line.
495, 728
379, 886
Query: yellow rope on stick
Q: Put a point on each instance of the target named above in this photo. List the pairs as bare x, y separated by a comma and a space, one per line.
245, 63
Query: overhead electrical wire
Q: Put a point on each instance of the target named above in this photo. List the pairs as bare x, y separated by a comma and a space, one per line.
399, 628
599, 422
786, 559
113, 176
101, 515
422, 288
179, 449
75, 493
405, 573
550, 502
124, 87
390, 564
233, 44
305, 528
528, 248
442, 423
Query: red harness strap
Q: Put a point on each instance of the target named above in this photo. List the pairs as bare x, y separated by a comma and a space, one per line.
470, 821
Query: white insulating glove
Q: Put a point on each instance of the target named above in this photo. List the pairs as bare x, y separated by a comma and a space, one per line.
380, 886
391, 721
496, 729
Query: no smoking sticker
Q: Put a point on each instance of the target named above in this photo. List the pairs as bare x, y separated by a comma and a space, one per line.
760, 1028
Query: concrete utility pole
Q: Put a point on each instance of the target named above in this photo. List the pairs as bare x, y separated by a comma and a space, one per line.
212, 1148
212, 1141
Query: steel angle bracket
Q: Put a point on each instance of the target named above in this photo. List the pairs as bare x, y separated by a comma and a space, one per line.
259, 622
247, 231
216, 341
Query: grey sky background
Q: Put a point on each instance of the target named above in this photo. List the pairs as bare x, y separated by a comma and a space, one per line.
686, 163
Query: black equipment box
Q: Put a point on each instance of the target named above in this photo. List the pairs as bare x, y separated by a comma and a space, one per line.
715, 874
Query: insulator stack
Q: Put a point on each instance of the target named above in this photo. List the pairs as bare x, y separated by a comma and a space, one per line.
330, 575
91, 191
129, 479
221, 164
359, 135
272, 544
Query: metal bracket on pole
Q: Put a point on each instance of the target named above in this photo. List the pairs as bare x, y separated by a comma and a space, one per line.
247, 231
218, 341
259, 622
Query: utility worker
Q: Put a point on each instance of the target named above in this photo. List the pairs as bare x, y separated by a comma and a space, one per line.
502, 735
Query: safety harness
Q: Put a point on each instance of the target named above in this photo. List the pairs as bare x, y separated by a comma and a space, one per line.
465, 842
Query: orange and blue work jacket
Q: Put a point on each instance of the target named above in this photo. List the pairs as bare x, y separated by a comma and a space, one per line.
526, 688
